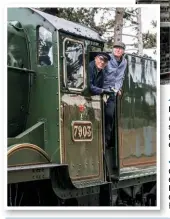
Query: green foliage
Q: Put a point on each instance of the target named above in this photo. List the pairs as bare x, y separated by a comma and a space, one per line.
154, 24
149, 40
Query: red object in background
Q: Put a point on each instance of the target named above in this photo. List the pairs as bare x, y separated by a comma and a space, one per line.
81, 108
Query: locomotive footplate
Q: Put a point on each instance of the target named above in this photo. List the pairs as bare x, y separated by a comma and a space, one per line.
59, 178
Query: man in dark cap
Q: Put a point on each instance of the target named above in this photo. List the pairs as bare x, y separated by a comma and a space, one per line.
113, 80
96, 71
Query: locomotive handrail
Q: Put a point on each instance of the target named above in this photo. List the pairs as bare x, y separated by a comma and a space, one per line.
143, 57
22, 69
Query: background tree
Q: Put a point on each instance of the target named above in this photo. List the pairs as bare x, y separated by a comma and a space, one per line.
149, 39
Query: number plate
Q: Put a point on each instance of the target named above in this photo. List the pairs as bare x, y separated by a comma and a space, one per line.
82, 131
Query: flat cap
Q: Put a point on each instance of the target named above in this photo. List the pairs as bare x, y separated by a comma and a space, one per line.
104, 55
119, 44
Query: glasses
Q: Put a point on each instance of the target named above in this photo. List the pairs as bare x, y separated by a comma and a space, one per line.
103, 59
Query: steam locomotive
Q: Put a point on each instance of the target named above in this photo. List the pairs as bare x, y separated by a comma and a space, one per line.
56, 155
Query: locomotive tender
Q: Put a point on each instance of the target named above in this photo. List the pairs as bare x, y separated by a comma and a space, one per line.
55, 127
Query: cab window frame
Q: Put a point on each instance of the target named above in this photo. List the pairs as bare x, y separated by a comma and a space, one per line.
65, 65
38, 46
22, 35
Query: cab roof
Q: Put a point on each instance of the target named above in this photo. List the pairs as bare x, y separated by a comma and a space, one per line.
69, 26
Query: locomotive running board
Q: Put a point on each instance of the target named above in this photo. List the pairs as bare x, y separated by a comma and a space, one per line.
57, 173
31, 172
60, 179
136, 172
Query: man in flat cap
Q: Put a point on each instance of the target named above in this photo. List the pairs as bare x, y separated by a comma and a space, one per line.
96, 71
113, 79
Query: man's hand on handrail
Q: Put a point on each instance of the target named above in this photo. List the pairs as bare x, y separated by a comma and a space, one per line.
108, 91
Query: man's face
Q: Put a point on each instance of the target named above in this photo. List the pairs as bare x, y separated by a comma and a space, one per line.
118, 51
100, 62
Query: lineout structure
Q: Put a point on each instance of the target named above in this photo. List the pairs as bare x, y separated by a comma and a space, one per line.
118, 30
164, 38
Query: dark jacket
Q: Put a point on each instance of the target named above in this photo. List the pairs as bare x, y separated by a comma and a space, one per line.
115, 73
96, 79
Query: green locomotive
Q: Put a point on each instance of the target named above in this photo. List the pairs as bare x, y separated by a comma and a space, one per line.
55, 127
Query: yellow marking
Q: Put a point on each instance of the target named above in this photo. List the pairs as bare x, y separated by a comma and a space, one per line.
28, 146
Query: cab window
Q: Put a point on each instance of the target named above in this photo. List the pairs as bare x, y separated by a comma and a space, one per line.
74, 77
45, 52
17, 47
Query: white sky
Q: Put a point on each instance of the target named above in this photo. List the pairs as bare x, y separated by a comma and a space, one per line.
148, 14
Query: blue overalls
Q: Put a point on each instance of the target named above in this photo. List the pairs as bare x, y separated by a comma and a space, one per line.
113, 78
